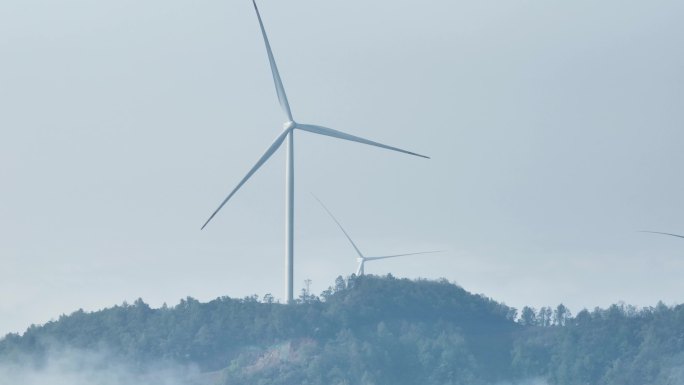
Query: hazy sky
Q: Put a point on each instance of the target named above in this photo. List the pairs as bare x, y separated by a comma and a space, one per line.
555, 130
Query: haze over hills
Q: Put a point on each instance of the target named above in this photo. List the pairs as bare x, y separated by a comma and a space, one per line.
362, 330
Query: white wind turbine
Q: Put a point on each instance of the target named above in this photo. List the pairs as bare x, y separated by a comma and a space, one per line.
362, 259
288, 133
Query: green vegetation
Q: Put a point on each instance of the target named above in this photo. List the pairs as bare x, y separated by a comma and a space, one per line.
373, 330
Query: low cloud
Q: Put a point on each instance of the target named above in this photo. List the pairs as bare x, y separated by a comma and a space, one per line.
67, 366
528, 381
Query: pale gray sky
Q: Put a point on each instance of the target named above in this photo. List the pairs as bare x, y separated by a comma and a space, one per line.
555, 129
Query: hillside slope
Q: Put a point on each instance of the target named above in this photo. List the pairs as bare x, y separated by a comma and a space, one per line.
378, 330
364, 330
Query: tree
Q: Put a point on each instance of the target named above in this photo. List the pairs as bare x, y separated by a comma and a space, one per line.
528, 316
340, 285
544, 316
561, 315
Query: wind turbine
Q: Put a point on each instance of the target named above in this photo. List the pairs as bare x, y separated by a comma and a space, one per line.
362, 259
658, 232
288, 134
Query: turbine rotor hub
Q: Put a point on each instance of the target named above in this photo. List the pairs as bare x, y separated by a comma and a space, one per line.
289, 125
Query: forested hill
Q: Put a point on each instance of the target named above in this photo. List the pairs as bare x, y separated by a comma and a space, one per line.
374, 330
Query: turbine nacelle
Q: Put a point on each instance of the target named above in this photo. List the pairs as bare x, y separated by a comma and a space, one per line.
290, 125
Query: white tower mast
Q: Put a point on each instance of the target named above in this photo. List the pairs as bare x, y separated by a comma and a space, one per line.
288, 133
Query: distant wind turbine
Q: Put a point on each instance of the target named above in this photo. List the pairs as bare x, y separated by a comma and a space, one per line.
362, 259
658, 232
288, 133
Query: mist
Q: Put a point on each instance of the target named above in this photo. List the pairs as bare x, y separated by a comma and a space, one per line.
529, 381
63, 365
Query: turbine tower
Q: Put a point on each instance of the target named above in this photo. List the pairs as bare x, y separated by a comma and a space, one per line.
362, 259
288, 134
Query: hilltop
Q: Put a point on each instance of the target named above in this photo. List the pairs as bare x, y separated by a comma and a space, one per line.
369, 330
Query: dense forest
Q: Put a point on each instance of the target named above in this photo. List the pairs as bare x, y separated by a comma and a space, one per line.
376, 330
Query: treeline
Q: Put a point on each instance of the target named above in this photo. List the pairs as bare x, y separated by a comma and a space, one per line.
378, 330
618, 345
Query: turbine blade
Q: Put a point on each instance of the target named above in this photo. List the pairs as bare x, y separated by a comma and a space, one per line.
273, 148
341, 228
658, 232
341, 135
280, 90
403, 255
